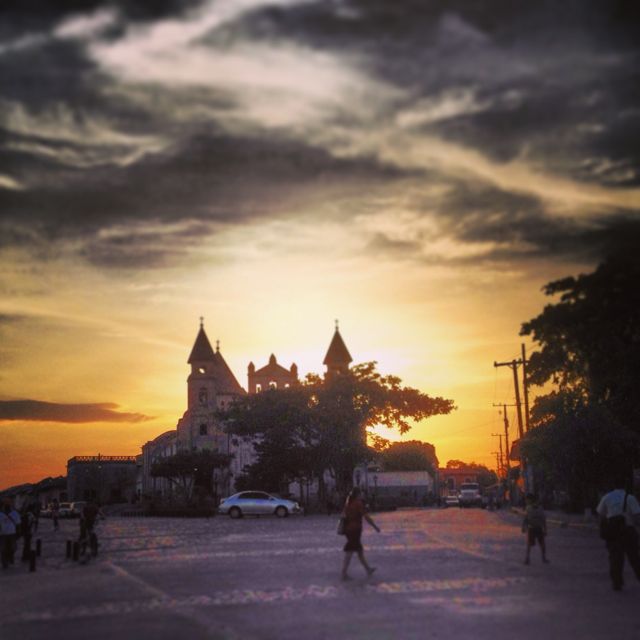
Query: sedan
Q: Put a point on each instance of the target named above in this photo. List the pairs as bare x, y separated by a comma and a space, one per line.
257, 503
452, 500
65, 510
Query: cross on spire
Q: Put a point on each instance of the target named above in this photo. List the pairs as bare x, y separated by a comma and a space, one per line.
201, 322
217, 346
337, 324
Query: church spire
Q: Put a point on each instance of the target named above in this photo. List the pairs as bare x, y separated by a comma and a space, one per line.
338, 357
202, 351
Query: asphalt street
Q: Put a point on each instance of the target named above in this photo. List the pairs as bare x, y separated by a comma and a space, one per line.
441, 573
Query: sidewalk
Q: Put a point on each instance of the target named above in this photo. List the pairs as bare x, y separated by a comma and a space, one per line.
564, 520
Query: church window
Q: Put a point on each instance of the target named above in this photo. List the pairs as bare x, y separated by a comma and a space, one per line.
273, 384
202, 396
286, 385
202, 370
258, 388
203, 429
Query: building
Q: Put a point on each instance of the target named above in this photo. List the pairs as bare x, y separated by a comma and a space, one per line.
338, 357
163, 446
402, 488
106, 479
211, 386
271, 376
43, 492
451, 479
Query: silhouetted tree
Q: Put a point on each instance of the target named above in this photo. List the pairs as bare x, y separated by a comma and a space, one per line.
576, 446
411, 455
187, 469
587, 427
486, 477
589, 341
321, 425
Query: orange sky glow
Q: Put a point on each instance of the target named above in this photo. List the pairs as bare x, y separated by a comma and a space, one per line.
274, 166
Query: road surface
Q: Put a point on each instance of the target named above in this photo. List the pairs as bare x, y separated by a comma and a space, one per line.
441, 573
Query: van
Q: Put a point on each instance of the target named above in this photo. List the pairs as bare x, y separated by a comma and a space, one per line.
470, 495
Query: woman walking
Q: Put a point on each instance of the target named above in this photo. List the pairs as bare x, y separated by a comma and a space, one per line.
354, 512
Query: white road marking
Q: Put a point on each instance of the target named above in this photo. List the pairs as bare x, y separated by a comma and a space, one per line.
162, 601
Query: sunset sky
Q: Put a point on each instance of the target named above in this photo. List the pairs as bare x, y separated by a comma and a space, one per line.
417, 169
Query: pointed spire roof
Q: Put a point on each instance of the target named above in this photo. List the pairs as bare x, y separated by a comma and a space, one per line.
225, 380
202, 350
338, 354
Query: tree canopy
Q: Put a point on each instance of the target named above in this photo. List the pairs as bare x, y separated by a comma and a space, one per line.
486, 477
586, 429
321, 425
412, 455
589, 341
188, 468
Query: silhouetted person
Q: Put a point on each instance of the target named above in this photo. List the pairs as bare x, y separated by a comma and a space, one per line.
55, 514
535, 526
9, 522
88, 519
619, 511
27, 528
354, 512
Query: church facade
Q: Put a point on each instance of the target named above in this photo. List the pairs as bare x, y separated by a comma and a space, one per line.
211, 386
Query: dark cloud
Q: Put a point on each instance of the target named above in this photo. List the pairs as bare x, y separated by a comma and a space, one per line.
507, 227
208, 181
523, 226
36, 410
557, 84
553, 78
22, 17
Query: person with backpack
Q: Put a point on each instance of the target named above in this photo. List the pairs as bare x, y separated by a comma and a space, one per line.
619, 512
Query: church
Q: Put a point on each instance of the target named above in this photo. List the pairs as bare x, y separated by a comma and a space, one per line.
211, 386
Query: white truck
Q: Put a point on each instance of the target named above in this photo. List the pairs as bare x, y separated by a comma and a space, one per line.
470, 495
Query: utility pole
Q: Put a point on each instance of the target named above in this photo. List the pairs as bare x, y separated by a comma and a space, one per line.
506, 435
525, 387
501, 468
514, 366
497, 454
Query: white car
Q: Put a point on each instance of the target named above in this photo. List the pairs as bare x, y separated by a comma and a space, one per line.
65, 510
257, 503
452, 500
77, 508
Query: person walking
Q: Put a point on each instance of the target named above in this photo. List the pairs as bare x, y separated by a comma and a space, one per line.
88, 539
619, 512
535, 526
9, 522
55, 514
354, 512
27, 528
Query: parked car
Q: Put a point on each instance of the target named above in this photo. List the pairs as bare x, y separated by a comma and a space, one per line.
65, 510
452, 500
76, 508
257, 503
470, 495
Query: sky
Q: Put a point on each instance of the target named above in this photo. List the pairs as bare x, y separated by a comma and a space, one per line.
417, 170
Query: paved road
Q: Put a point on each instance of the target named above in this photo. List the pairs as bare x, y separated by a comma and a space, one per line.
441, 573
